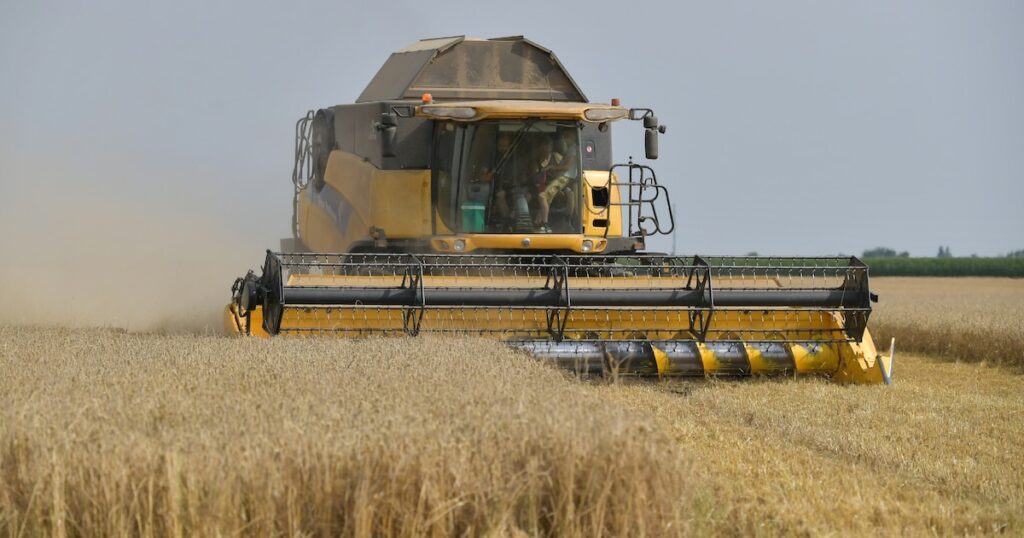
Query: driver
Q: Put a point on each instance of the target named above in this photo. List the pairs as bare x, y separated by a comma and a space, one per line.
509, 175
559, 169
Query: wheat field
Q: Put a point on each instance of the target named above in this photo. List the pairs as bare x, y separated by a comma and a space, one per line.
937, 453
109, 433
105, 433
966, 319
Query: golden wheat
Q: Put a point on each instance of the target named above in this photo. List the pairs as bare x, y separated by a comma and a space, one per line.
938, 452
104, 433
968, 319
108, 433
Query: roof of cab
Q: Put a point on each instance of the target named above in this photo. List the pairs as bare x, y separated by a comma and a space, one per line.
460, 67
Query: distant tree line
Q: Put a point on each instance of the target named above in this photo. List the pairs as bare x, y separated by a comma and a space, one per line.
884, 261
944, 252
883, 252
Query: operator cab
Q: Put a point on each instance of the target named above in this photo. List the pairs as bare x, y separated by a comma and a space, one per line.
508, 177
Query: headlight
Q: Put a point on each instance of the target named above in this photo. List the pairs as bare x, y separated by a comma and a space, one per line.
443, 244
460, 245
588, 245
454, 112
604, 114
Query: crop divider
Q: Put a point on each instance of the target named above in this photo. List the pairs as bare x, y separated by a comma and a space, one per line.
855, 320
412, 315
700, 281
558, 280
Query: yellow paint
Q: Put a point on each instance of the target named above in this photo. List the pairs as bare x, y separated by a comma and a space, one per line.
661, 358
236, 325
604, 323
757, 362
473, 242
318, 230
396, 201
820, 358
708, 360
402, 215
515, 109
612, 213
858, 364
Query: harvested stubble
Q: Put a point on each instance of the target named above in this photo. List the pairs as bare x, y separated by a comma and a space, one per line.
937, 453
967, 319
106, 433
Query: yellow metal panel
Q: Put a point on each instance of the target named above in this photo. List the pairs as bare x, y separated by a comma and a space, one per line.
473, 242
612, 213
511, 109
858, 363
661, 358
604, 323
235, 324
401, 202
319, 229
358, 195
814, 358
757, 363
352, 176
708, 360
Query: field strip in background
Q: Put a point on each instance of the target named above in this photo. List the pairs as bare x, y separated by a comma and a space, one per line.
971, 319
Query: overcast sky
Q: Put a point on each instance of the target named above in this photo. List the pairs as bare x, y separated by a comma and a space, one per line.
794, 127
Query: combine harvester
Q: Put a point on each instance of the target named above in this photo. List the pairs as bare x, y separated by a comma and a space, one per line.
471, 190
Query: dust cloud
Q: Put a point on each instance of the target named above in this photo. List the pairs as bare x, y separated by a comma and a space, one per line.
81, 250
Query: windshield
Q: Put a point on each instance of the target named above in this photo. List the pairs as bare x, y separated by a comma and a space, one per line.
512, 177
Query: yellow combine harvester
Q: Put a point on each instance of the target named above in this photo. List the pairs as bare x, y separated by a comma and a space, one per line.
470, 189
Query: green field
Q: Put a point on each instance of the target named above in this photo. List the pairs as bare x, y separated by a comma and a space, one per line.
1003, 267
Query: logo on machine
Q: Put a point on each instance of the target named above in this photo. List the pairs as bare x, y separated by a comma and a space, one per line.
336, 207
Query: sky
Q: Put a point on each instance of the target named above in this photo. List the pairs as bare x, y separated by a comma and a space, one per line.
142, 135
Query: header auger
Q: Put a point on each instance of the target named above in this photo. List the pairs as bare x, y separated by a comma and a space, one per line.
470, 190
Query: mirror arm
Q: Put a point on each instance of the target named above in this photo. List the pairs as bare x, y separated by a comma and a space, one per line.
388, 127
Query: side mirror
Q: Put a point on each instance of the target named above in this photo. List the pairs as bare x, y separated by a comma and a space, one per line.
388, 127
651, 131
651, 143
650, 136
